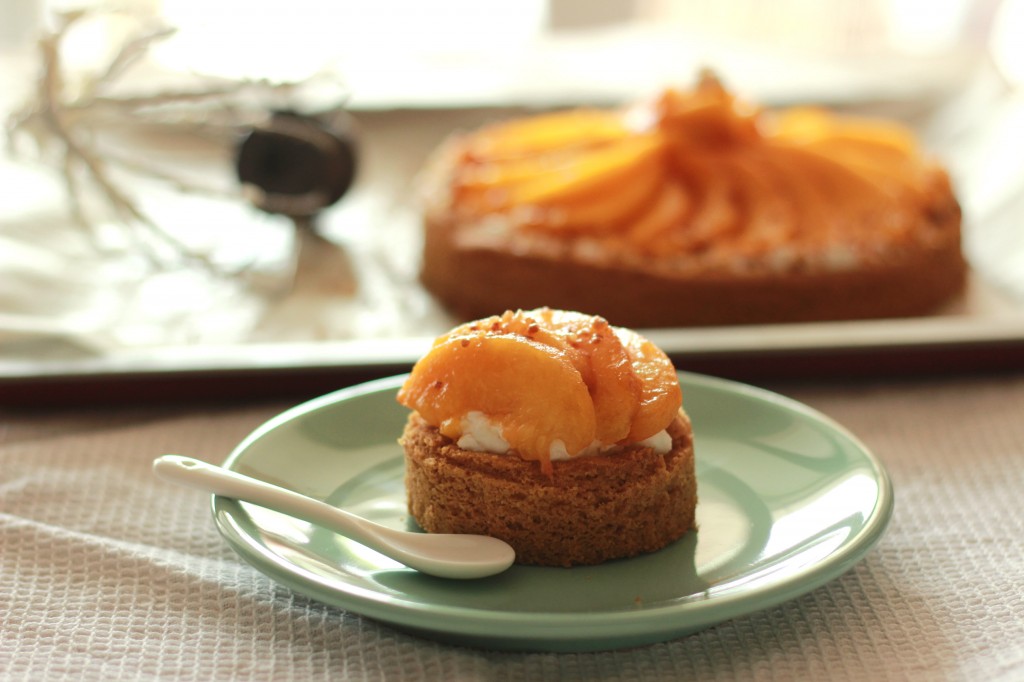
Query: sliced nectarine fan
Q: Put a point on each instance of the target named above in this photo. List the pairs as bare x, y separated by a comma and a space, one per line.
689, 171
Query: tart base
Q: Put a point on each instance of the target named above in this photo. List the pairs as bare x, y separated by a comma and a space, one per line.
591, 510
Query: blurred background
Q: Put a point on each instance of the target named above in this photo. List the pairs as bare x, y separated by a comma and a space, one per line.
460, 52
80, 284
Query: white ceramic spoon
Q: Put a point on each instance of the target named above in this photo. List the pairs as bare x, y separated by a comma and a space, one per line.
447, 555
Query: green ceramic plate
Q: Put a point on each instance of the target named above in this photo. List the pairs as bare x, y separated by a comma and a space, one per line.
788, 501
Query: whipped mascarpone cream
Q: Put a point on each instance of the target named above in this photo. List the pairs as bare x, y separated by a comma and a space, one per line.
480, 434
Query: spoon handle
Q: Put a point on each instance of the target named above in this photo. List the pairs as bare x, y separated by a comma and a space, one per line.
210, 478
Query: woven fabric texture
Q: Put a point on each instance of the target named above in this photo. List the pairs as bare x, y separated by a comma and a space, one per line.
107, 573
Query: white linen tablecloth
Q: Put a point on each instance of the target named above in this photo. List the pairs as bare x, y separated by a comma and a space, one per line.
107, 573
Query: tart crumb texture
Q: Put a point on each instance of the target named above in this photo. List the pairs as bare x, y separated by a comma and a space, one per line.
692, 208
593, 509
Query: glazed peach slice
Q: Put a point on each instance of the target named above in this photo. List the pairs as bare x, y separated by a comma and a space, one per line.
591, 174
826, 198
530, 389
847, 191
614, 387
533, 325
598, 186
810, 125
493, 174
710, 124
715, 216
611, 203
769, 218
707, 117
809, 209
878, 151
541, 133
591, 345
660, 395
892, 172
872, 154
666, 211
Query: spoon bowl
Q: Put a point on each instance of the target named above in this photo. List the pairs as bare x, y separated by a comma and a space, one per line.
446, 555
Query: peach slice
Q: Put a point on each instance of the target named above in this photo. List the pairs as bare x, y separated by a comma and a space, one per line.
548, 131
614, 387
707, 117
809, 207
848, 191
594, 350
591, 173
710, 125
489, 174
668, 210
715, 215
611, 203
824, 196
892, 172
529, 388
595, 187
768, 217
871, 154
528, 325
660, 394
804, 125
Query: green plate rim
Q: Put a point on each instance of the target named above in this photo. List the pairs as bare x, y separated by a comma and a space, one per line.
566, 631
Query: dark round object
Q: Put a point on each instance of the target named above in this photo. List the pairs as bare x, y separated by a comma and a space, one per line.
296, 165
